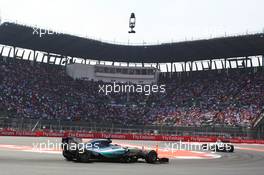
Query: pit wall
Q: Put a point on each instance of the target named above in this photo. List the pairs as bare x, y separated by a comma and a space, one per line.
146, 137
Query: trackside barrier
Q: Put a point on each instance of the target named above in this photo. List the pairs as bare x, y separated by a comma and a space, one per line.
126, 136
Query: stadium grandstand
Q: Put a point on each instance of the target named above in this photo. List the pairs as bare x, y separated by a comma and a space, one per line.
213, 86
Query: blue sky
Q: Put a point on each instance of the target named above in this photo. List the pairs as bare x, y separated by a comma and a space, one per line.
157, 20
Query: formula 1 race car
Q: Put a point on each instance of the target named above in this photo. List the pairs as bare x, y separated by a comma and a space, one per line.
103, 150
219, 146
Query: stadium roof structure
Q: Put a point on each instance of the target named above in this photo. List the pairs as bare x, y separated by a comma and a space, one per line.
22, 36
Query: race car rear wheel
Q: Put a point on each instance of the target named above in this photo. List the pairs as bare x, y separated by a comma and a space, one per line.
151, 157
68, 156
84, 157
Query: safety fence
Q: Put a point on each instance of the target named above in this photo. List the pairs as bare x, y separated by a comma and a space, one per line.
22, 124
146, 137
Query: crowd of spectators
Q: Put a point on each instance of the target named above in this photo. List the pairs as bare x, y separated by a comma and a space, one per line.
38, 90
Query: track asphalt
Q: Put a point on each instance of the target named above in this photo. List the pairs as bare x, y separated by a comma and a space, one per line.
18, 158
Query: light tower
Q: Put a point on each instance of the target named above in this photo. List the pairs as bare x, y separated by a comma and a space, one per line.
132, 23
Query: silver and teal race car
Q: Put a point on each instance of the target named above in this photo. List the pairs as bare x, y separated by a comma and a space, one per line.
73, 149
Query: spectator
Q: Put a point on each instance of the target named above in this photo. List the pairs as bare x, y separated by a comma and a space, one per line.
205, 98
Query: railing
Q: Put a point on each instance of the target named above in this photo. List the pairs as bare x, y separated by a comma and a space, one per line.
61, 125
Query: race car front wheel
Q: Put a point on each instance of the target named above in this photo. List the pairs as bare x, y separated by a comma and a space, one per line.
151, 157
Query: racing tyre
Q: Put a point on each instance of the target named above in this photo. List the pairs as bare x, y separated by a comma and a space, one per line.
231, 150
68, 156
84, 157
151, 157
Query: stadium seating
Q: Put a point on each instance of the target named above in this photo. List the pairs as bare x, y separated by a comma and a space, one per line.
231, 98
